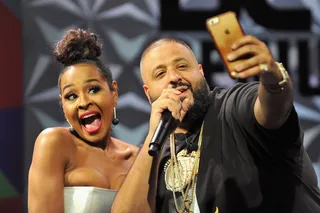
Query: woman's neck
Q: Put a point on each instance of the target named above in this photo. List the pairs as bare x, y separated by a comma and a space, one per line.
99, 144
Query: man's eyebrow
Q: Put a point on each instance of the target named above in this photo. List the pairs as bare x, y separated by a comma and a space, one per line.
180, 59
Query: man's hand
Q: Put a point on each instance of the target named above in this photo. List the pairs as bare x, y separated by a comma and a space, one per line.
273, 104
260, 63
169, 99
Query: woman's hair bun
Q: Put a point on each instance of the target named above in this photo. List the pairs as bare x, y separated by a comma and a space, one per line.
77, 45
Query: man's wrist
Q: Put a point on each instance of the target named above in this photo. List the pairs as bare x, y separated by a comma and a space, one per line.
275, 83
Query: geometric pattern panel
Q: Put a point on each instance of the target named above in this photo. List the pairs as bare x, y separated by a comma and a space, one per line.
10, 59
11, 205
11, 150
6, 189
11, 109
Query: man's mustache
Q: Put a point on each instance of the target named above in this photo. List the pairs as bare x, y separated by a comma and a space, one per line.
179, 84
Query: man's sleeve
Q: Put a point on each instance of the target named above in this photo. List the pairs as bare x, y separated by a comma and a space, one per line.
239, 113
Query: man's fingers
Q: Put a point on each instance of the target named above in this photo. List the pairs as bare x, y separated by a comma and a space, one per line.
185, 105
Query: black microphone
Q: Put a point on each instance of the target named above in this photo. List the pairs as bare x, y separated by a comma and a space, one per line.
166, 125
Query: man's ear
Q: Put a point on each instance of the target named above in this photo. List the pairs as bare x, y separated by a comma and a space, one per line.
115, 93
146, 92
200, 69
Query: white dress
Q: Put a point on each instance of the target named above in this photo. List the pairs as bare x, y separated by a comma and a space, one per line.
87, 199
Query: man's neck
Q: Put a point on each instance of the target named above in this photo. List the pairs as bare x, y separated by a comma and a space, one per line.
193, 127
181, 130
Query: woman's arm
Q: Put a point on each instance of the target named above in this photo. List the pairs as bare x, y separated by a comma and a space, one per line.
46, 174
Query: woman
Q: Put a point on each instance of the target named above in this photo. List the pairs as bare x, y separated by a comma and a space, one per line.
79, 169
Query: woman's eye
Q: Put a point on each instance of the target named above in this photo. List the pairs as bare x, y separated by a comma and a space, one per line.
70, 96
94, 89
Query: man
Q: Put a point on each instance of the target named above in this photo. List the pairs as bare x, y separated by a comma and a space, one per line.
236, 150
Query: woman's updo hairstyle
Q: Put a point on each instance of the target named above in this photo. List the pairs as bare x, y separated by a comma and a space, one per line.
81, 46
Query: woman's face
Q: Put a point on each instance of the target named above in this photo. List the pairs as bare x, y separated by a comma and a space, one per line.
87, 101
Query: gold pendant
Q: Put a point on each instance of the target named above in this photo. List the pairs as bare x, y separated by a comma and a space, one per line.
178, 175
217, 210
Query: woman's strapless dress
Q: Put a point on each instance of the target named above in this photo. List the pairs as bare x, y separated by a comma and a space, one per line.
86, 199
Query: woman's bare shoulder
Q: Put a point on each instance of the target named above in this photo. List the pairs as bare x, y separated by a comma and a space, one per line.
54, 138
55, 131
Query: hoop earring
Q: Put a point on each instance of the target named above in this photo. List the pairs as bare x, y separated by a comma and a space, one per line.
115, 120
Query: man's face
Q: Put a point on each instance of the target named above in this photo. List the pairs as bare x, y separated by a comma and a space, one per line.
167, 65
171, 65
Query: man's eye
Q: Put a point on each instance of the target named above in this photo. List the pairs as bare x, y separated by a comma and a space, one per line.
182, 66
159, 74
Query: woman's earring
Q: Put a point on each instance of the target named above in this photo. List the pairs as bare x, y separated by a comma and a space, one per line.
115, 120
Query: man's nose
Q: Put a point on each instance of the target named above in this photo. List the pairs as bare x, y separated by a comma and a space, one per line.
174, 76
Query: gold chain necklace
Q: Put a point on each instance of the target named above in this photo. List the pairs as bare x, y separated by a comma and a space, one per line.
180, 173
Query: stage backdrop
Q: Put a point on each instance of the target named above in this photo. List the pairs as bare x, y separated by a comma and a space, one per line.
290, 28
11, 108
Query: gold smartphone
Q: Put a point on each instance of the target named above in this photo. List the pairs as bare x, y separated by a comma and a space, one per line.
225, 29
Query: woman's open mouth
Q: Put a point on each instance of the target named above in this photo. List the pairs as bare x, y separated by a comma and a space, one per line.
91, 122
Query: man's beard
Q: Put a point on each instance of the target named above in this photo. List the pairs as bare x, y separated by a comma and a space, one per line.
197, 110
195, 114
